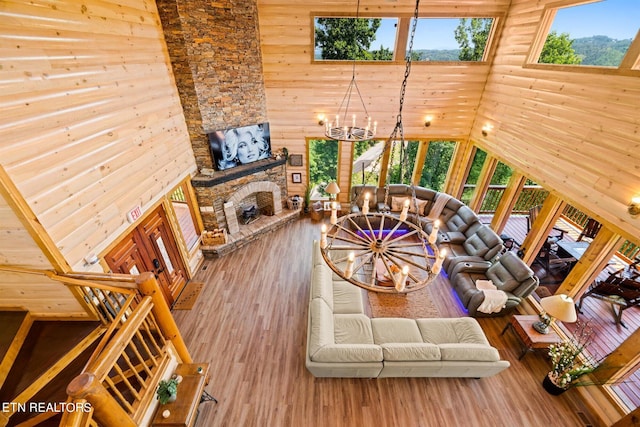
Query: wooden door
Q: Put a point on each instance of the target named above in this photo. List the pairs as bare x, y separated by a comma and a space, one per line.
151, 247
161, 245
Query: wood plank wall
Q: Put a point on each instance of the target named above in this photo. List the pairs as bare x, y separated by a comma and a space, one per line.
298, 89
91, 123
576, 133
35, 293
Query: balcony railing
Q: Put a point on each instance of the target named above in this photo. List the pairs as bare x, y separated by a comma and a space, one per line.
534, 195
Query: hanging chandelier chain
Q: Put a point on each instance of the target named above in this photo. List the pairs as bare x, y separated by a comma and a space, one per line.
399, 126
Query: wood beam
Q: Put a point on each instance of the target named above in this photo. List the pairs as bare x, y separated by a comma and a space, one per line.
542, 226
508, 201
632, 419
384, 166
31, 223
421, 157
620, 361
592, 262
459, 168
488, 168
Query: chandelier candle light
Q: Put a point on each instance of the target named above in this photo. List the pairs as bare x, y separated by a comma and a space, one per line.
355, 132
379, 251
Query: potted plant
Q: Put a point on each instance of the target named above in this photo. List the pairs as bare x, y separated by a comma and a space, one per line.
167, 390
307, 198
569, 362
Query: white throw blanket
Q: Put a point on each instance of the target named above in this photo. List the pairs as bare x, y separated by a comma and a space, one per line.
494, 299
438, 205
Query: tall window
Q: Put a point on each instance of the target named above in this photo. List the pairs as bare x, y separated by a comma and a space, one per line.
451, 39
497, 185
323, 166
402, 162
474, 173
365, 39
595, 34
366, 162
436, 164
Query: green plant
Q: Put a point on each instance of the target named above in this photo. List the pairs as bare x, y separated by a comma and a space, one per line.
167, 389
568, 361
307, 196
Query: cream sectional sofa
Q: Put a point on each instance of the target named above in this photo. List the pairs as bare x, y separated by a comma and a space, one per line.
342, 341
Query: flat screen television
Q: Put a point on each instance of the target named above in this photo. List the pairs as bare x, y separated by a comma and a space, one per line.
240, 146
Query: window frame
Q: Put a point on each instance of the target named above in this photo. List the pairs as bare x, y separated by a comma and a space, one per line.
629, 66
402, 36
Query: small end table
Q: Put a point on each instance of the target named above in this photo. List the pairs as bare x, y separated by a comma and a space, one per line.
522, 326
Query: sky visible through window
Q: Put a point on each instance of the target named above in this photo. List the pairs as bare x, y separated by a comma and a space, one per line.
618, 19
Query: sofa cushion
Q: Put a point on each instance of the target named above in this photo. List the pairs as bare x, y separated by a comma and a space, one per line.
321, 326
395, 330
465, 352
411, 351
467, 214
322, 284
347, 298
474, 245
501, 277
357, 195
397, 203
516, 266
352, 329
421, 206
451, 330
348, 353
316, 255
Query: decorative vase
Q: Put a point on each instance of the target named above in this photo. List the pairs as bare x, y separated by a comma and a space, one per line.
551, 387
172, 398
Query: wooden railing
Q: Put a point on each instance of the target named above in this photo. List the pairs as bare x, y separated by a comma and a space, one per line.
533, 195
120, 379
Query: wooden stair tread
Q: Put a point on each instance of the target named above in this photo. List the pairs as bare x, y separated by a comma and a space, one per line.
10, 321
46, 343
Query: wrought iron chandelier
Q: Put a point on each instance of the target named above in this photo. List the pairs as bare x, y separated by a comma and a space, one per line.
345, 127
381, 251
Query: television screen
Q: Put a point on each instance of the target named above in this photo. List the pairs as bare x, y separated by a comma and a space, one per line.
240, 146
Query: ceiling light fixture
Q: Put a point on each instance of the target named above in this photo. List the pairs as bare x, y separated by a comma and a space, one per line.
384, 251
346, 127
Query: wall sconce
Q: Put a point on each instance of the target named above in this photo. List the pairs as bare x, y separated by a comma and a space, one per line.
321, 119
486, 129
634, 206
427, 121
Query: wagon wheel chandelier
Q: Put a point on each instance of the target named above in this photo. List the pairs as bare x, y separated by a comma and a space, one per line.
380, 251
345, 128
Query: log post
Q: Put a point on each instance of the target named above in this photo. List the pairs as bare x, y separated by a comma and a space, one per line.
106, 409
149, 287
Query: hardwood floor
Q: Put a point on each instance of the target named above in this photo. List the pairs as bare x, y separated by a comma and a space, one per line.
250, 323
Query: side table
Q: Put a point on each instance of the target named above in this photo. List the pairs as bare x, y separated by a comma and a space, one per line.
184, 411
522, 326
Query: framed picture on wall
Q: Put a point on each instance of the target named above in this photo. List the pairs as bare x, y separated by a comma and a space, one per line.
296, 178
295, 159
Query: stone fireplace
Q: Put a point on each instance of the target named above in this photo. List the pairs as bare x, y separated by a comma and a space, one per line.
264, 195
223, 197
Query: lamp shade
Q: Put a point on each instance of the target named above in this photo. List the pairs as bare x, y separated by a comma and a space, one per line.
561, 307
332, 188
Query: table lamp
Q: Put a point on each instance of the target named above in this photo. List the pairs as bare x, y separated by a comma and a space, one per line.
333, 189
559, 307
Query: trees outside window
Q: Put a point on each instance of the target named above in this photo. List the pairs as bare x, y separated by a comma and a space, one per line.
436, 164
323, 166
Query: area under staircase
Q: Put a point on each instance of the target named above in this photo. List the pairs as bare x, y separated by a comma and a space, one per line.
38, 360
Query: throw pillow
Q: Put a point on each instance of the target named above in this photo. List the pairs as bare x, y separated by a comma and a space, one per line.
397, 203
421, 205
